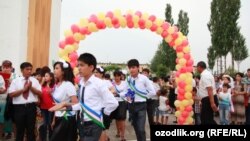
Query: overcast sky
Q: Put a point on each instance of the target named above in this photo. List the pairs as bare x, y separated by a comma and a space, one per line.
120, 45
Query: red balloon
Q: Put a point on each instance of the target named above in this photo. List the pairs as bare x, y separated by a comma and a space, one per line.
138, 13
152, 18
110, 14
165, 25
181, 91
100, 25
75, 28
187, 56
184, 114
73, 56
69, 40
84, 30
182, 84
62, 44
141, 24
164, 34
153, 27
189, 108
93, 18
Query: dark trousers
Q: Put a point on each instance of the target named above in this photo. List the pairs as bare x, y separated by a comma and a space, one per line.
46, 126
207, 113
248, 114
25, 120
91, 131
138, 115
64, 129
151, 106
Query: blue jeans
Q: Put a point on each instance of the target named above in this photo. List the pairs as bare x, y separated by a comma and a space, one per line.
138, 115
224, 114
248, 114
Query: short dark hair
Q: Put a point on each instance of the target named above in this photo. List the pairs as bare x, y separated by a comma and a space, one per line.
133, 63
202, 64
226, 85
25, 65
89, 59
117, 73
68, 72
146, 70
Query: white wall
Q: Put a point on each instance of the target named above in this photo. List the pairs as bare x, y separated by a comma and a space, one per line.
13, 31
54, 31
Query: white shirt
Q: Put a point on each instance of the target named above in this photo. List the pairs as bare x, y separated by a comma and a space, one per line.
121, 88
142, 83
162, 103
96, 96
18, 84
62, 93
207, 80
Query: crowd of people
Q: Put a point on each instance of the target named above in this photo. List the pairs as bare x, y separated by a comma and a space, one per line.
51, 105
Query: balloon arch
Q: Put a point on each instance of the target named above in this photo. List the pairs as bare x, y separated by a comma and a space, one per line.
115, 19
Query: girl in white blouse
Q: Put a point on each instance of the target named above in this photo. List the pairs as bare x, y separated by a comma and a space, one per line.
64, 122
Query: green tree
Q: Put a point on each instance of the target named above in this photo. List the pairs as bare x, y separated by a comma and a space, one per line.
182, 23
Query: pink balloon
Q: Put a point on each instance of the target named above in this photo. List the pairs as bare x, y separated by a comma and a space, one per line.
100, 25
187, 56
189, 108
138, 13
182, 84
110, 14
153, 27
183, 70
185, 43
181, 91
141, 23
175, 35
130, 24
115, 21
73, 56
179, 49
69, 40
165, 25
75, 28
93, 18
62, 44
164, 34
152, 18
84, 30
190, 62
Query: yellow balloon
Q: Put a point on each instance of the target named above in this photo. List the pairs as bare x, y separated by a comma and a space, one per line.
68, 33
159, 22
62, 53
188, 95
186, 49
145, 16
182, 61
101, 16
170, 30
83, 22
66, 58
178, 67
191, 101
148, 24
180, 54
122, 22
108, 22
159, 30
69, 48
169, 38
177, 114
178, 41
189, 88
177, 103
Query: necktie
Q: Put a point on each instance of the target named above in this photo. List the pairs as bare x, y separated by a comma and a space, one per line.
26, 93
